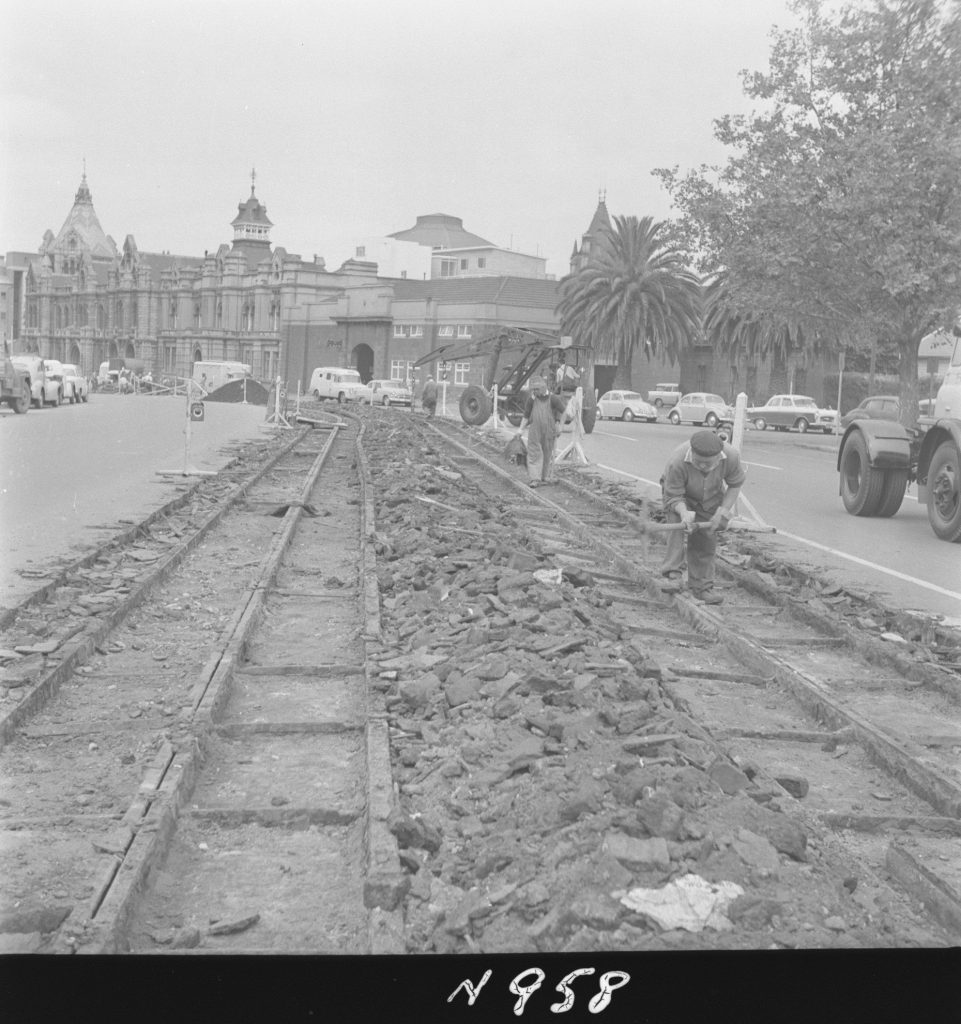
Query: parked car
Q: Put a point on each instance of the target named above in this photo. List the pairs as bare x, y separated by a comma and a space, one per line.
44, 390
625, 405
875, 407
700, 407
664, 394
792, 412
75, 386
388, 392
14, 386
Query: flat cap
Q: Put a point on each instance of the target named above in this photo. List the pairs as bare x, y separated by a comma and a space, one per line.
706, 443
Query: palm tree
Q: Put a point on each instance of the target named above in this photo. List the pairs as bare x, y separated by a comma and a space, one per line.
634, 292
750, 337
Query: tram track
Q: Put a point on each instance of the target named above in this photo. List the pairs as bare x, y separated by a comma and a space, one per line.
191, 721
829, 692
357, 731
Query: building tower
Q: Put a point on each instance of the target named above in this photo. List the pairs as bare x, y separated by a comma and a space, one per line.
600, 225
252, 227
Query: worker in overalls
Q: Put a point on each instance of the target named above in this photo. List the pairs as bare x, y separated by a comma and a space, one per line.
542, 414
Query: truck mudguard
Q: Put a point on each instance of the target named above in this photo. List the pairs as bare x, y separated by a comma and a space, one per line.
888, 443
939, 432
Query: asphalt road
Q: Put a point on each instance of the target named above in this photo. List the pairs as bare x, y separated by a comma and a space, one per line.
792, 485
65, 472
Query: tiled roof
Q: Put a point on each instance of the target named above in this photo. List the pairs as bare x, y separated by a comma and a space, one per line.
160, 261
600, 220
82, 220
251, 212
440, 229
536, 292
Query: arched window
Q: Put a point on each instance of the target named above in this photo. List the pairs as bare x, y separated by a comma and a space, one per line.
196, 314
172, 313
220, 313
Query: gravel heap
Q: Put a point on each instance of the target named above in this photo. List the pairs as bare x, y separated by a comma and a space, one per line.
551, 796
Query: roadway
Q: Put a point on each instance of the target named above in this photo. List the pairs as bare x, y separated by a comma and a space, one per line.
792, 485
68, 472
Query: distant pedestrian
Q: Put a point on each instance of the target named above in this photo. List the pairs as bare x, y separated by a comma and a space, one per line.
542, 414
428, 398
700, 485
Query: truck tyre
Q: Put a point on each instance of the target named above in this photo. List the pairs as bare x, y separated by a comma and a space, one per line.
861, 486
895, 484
944, 492
475, 406
22, 403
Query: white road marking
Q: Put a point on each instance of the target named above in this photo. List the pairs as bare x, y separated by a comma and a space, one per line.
872, 565
761, 465
630, 476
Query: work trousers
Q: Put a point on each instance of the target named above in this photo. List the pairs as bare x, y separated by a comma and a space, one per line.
540, 442
701, 548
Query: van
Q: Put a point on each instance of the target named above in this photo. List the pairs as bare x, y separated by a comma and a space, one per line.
337, 382
212, 375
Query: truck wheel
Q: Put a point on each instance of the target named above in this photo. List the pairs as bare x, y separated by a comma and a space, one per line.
802, 425
895, 484
944, 493
861, 486
21, 404
475, 405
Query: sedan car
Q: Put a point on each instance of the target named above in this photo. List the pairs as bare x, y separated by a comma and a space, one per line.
876, 407
792, 412
75, 386
701, 407
625, 405
389, 392
44, 389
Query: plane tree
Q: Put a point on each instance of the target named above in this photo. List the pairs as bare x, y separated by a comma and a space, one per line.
838, 210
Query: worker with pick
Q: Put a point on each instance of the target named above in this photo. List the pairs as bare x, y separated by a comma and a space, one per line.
700, 485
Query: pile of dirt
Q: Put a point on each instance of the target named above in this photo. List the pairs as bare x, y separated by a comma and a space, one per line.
552, 797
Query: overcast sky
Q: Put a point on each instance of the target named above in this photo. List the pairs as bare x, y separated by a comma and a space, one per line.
358, 115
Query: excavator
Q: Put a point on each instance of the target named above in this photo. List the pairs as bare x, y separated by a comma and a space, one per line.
514, 355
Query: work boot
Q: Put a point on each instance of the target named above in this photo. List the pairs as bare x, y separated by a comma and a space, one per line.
710, 597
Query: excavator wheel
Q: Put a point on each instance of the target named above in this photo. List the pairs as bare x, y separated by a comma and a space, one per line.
475, 406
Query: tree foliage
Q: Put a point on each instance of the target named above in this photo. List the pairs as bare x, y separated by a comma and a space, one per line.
635, 293
837, 218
